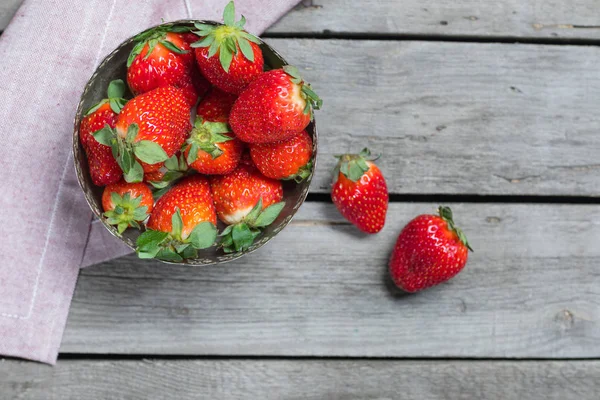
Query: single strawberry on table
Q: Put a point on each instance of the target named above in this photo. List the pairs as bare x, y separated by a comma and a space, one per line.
212, 149
126, 204
247, 201
430, 250
150, 129
360, 192
288, 159
228, 56
103, 168
182, 222
276, 106
162, 57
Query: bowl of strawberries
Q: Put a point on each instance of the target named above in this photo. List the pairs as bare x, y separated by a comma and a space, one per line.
195, 142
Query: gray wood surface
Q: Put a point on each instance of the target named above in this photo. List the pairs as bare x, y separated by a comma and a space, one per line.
458, 118
301, 379
554, 19
531, 289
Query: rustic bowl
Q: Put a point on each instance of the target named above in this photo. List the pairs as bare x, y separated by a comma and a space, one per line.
114, 67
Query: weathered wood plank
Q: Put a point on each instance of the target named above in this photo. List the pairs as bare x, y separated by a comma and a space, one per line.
301, 379
531, 289
459, 118
504, 18
8, 8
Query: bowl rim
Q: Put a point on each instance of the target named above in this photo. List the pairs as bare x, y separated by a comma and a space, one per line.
77, 148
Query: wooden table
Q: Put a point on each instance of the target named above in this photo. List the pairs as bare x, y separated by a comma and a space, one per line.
490, 107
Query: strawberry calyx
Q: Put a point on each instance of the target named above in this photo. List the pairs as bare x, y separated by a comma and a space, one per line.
353, 166
302, 174
240, 236
155, 36
173, 246
127, 151
115, 92
446, 215
172, 170
204, 136
226, 39
313, 101
126, 212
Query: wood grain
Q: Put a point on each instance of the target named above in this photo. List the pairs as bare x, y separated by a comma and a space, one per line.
301, 379
458, 118
530, 289
553, 19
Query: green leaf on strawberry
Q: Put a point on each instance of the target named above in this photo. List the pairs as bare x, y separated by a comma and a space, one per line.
241, 236
204, 137
153, 37
226, 39
115, 92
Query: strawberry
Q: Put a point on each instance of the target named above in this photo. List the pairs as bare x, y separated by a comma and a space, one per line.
126, 204
228, 56
104, 170
247, 201
429, 250
288, 159
182, 222
210, 151
215, 106
276, 106
359, 191
162, 57
150, 129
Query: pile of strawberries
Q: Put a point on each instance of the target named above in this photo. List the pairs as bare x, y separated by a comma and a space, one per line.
175, 179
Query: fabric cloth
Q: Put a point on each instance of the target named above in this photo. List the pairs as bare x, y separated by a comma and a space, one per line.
47, 54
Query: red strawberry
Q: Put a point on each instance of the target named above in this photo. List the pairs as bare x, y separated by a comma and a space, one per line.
104, 170
247, 201
275, 106
288, 159
182, 222
359, 191
228, 56
150, 129
210, 151
430, 250
126, 204
163, 58
215, 106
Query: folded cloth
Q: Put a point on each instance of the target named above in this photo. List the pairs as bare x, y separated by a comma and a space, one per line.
47, 53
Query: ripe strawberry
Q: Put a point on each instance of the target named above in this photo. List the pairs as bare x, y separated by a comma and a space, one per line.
210, 151
215, 106
288, 159
162, 58
104, 170
126, 204
429, 250
182, 222
359, 191
228, 56
150, 129
275, 106
247, 201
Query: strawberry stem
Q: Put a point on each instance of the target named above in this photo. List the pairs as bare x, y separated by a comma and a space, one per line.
446, 214
226, 39
353, 166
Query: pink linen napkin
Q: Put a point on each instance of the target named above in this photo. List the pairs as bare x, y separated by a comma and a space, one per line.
47, 54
